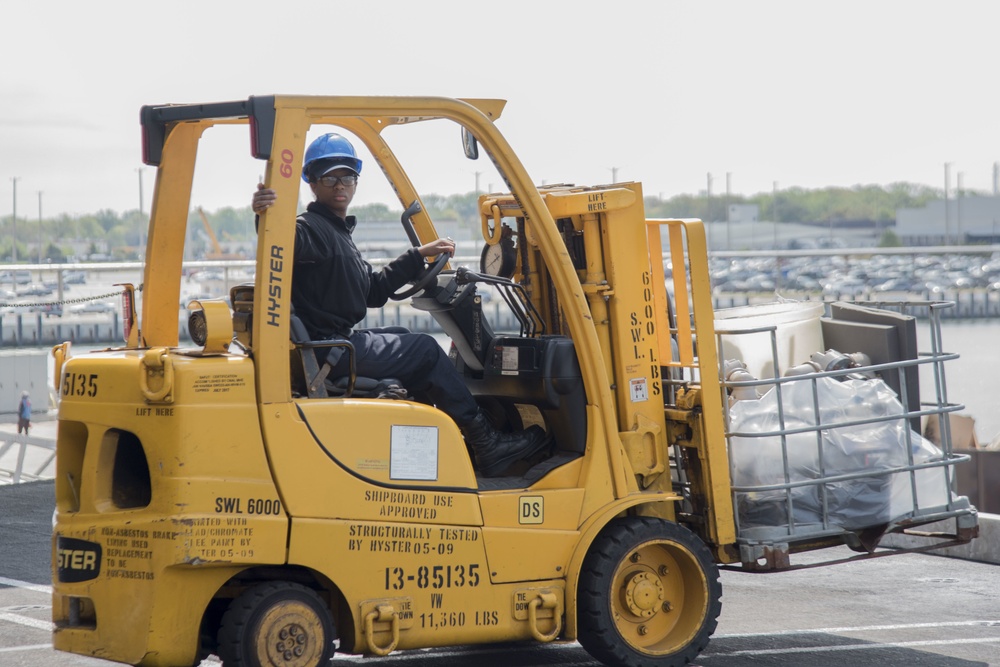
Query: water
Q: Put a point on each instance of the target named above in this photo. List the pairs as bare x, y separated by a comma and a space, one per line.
973, 379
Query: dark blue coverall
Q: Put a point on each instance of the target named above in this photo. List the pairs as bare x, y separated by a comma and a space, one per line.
332, 289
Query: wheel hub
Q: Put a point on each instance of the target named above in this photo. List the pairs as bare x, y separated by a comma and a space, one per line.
291, 642
291, 636
643, 594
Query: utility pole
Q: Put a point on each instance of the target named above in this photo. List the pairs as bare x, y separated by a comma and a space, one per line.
13, 252
39, 226
958, 208
775, 211
708, 199
729, 229
947, 223
614, 174
142, 235
139, 171
478, 174
708, 210
774, 242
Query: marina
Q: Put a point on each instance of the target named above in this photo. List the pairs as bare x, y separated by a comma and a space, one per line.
970, 328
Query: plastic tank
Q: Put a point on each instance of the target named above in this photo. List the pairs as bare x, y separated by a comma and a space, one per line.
797, 334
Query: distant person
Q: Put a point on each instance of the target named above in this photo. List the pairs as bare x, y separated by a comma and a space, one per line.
333, 286
24, 413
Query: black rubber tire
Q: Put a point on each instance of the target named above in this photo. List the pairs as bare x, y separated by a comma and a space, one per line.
649, 594
266, 624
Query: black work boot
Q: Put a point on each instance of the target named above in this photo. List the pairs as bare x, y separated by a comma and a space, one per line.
496, 451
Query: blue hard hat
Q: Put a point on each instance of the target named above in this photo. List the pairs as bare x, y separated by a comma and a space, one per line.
334, 148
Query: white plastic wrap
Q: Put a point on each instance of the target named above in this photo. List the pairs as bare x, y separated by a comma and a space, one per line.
864, 447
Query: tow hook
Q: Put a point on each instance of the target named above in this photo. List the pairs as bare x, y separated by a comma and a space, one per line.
382, 613
545, 601
157, 371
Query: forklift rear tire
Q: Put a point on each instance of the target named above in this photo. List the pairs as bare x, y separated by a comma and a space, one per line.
276, 623
649, 594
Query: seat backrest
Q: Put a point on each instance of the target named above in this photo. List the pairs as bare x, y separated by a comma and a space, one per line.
303, 361
309, 377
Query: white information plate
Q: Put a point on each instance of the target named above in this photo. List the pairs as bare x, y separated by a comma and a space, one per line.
413, 453
509, 360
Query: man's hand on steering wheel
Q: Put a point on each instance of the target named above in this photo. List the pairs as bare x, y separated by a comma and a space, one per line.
446, 245
444, 249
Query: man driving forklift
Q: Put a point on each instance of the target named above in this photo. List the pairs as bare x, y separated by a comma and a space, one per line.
333, 286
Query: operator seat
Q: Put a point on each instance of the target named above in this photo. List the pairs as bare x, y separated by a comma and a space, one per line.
309, 377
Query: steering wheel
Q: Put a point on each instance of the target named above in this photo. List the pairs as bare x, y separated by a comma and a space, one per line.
430, 271
424, 279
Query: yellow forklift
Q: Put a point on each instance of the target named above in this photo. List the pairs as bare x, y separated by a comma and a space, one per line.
226, 496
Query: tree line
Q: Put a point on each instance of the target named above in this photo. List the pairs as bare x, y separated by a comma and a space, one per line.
121, 236
862, 203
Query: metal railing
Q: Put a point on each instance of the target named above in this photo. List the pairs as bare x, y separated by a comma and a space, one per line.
40, 465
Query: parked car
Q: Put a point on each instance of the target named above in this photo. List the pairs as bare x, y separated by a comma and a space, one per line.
35, 289
54, 285
16, 309
21, 277
47, 309
895, 285
74, 277
844, 287
209, 276
92, 307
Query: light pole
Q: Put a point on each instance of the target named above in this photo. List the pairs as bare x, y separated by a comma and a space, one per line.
142, 234
13, 252
958, 208
729, 230
39, 226
139, 171
708, 207
614, 174
774, 241
947, 223
775, 211
708, 197
478, 174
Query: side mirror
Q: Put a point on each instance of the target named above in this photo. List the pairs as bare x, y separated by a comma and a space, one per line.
470, 145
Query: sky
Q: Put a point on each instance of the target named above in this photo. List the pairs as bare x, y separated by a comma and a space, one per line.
774, 93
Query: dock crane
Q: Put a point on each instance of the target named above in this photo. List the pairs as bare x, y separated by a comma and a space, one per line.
216, 252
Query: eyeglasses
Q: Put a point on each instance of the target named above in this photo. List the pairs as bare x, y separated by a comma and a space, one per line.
333, 181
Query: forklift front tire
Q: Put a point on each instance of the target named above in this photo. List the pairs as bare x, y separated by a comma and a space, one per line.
649, 594
276, 623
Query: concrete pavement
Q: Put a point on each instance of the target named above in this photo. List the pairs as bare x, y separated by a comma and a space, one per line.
898, 611
903, 610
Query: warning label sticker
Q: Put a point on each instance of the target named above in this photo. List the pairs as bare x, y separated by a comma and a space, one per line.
638, 390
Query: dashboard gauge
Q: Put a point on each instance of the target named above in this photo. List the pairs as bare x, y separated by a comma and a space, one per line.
500, 258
